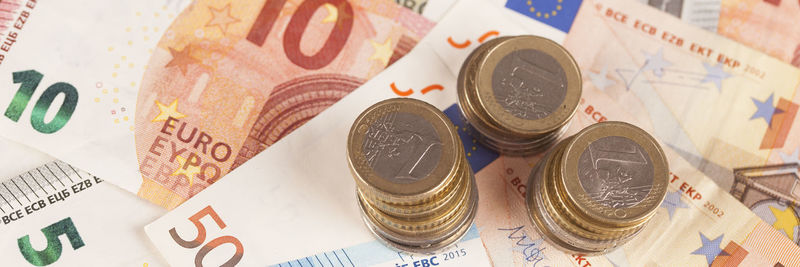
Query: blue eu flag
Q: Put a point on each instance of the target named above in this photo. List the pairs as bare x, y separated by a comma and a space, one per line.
556, 13
478, 156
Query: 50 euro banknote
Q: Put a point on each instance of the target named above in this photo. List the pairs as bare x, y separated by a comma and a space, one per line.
164, 104
767, 25
282, 209
706, 96
727, 109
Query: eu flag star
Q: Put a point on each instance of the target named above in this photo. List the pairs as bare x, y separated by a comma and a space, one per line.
656, 62
715, 74
557, 13
672, 202
710, 248
765, 109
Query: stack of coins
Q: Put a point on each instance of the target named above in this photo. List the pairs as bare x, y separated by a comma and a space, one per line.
518, 93
597, 189
415, 187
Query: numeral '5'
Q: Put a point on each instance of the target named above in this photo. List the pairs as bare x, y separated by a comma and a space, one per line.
53, 251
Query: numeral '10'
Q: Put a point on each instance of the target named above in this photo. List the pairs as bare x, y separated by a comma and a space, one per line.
297, 26
29, 80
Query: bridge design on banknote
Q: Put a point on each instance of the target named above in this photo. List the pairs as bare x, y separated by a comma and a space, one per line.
773, 193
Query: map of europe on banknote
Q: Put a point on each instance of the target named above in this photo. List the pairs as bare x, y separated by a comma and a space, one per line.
165, 103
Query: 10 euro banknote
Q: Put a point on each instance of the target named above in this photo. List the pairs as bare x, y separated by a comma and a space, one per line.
164, 104
698, 224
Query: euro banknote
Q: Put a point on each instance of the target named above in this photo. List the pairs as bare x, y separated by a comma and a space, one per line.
300, 209
417, 6
91, 62
468, 252
698, 224
164, 103
700, 13
767, 25
727, 109
58, 215
560, 14
775, 181
17, 158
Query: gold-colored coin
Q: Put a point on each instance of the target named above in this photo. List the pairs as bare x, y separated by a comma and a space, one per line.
529, 85
519, 93
544, 223
437, 205
557, 205
403, 149
422, 243
423, 225
415, 187
552, 203
467, 89
620, 169
614, 174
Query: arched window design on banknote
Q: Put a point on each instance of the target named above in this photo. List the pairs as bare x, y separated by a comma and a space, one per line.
290, 106
673, 7
230, 78
773, 193
293, 103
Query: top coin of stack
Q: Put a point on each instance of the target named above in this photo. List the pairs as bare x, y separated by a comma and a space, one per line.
415, 188
519, 93
598, 188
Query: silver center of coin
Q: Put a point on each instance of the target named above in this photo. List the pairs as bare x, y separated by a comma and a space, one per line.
529, 84
402, 147
616, 172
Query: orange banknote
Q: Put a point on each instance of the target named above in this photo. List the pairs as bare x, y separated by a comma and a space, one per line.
767, 25
165, 99
728, 110
230, 78
698, 224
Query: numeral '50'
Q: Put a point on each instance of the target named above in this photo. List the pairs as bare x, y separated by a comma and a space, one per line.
201, 238
29, 80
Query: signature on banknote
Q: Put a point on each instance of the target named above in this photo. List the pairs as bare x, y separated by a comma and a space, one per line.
531, 249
